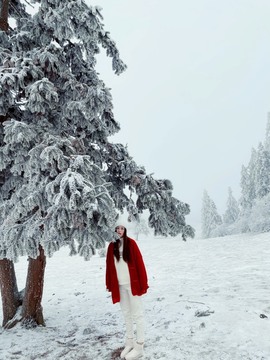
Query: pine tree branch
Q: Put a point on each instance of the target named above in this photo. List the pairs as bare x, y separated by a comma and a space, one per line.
28, 3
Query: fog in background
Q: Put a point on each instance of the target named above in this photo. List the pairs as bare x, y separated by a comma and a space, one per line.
195, 97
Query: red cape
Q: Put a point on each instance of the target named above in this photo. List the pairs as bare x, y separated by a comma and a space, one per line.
137, 272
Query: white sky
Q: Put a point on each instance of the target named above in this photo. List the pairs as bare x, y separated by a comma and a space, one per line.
195, 97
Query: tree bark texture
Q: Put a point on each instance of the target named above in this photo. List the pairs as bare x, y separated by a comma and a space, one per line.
4, 16
29, 299
9, 291
32, 314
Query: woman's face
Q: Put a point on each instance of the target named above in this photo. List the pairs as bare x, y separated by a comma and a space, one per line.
120, 230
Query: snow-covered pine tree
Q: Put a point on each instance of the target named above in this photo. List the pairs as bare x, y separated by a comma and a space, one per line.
267, 134
255, 187
260, 215
232, 209
262, 173
141, 227
248, 184
62, 181
244, 199
210, 219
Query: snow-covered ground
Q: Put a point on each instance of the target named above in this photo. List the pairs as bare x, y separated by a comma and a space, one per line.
204, 303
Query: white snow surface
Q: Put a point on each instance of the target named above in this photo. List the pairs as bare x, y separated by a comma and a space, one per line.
225, 279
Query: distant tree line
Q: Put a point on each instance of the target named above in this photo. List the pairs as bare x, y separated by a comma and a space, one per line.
251, 213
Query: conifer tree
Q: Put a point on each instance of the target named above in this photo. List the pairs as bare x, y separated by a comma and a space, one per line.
244, 200
210, 219
262, 173
232, 210
248, 183
267, 134
62, 181
141, 227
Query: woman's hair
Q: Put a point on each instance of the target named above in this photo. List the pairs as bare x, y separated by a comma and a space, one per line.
126, 248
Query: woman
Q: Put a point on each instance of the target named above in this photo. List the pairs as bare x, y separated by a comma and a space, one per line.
126, 279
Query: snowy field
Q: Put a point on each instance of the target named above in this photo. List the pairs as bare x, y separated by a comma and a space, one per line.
205, 302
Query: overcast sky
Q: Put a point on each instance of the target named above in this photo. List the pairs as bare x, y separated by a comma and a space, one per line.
195, 97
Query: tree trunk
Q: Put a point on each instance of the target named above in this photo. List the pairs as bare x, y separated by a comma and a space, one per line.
9, 291
4, 16
32, 314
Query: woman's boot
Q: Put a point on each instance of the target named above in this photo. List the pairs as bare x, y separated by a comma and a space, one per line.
136, 353
128, 347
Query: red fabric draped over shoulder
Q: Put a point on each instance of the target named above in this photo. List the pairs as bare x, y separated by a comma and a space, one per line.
137, 272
